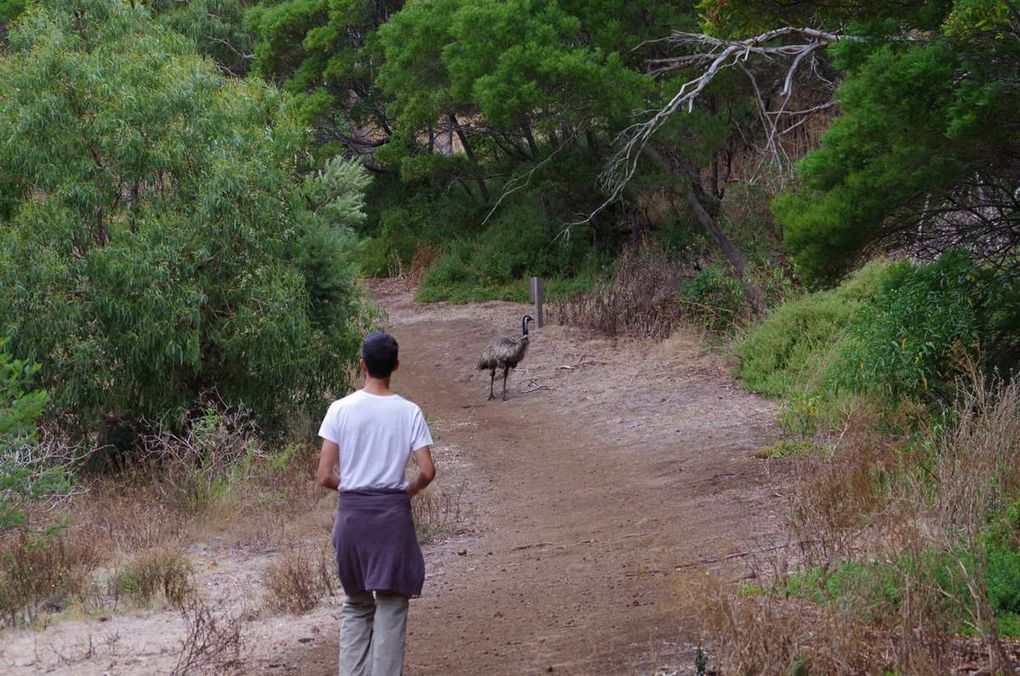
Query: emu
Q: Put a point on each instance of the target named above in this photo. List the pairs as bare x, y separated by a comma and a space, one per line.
504, 353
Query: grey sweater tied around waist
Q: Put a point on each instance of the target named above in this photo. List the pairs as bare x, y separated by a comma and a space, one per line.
376, 546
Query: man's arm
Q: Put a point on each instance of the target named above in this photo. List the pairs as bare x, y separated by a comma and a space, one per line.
328, 458
426, 470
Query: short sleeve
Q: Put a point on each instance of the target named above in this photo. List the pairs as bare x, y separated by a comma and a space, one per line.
420, 435
328, 430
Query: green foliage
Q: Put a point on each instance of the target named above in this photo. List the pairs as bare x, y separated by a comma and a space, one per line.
787, 448
518, 244
887, 147
893, 332
715, 297
11, 9
215, 26
403, 216
789, 355
739, 18
326, 53
22, 481
922, 123
1001, 542
903, 344
876, 588
876, 583
170, 252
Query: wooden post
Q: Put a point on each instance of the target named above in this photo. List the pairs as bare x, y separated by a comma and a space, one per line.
537, 296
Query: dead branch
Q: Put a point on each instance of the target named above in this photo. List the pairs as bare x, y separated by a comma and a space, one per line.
715, 55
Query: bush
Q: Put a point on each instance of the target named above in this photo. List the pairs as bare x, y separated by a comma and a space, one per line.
905, 343
43, 572
716, 298
175, 253
218, 452
519, 243
300, 578
157, 573
790, 353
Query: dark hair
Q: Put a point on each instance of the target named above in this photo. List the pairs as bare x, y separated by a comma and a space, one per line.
379, 350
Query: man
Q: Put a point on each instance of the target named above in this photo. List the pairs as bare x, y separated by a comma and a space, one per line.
368, 436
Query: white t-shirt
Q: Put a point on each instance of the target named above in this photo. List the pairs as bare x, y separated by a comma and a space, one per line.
375, 435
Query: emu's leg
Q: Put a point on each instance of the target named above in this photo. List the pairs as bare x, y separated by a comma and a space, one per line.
492, 379
506, 369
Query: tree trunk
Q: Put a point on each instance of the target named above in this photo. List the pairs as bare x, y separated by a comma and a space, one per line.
482, 189
530, 138
730, 251
593, 144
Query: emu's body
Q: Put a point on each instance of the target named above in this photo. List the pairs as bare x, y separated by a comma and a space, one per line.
504, 353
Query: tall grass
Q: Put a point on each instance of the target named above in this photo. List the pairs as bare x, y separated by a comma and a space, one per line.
908, 553
641, 299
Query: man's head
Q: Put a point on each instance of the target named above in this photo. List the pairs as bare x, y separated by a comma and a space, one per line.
379, 354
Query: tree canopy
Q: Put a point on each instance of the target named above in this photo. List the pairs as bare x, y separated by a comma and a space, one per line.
924, 152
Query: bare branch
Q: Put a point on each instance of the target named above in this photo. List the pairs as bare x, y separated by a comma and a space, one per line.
715, 55
518, 182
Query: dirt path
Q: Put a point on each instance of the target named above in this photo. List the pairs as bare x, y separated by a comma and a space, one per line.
587, 492
615, 468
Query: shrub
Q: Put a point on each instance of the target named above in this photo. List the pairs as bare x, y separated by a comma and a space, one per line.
639, 300
518, 243
217, 452
212, 644
175, 253
156, 573
790, 353
300, 578
43, 571
905, 342
715, 297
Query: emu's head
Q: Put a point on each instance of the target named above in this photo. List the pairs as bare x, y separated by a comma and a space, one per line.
524, 324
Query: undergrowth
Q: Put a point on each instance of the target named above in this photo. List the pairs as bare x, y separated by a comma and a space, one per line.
162, 573
908, 549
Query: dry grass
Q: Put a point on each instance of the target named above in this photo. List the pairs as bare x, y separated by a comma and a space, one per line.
640, 300
300, 579
892, 563
770, 634
214, 481
44, 573
424, 256
437, 514
212, 643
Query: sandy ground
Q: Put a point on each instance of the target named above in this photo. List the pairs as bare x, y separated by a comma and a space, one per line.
615, 468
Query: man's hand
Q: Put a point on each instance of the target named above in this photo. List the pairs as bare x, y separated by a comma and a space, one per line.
426, 470
329, 456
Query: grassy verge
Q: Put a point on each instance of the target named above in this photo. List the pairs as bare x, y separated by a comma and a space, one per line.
908, 528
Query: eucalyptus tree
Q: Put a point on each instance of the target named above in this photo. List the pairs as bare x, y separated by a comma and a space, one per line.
156, 240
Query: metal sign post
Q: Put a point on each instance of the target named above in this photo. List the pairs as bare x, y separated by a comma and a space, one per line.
537, 297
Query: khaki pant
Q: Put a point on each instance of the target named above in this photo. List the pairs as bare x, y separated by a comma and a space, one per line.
372, 630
